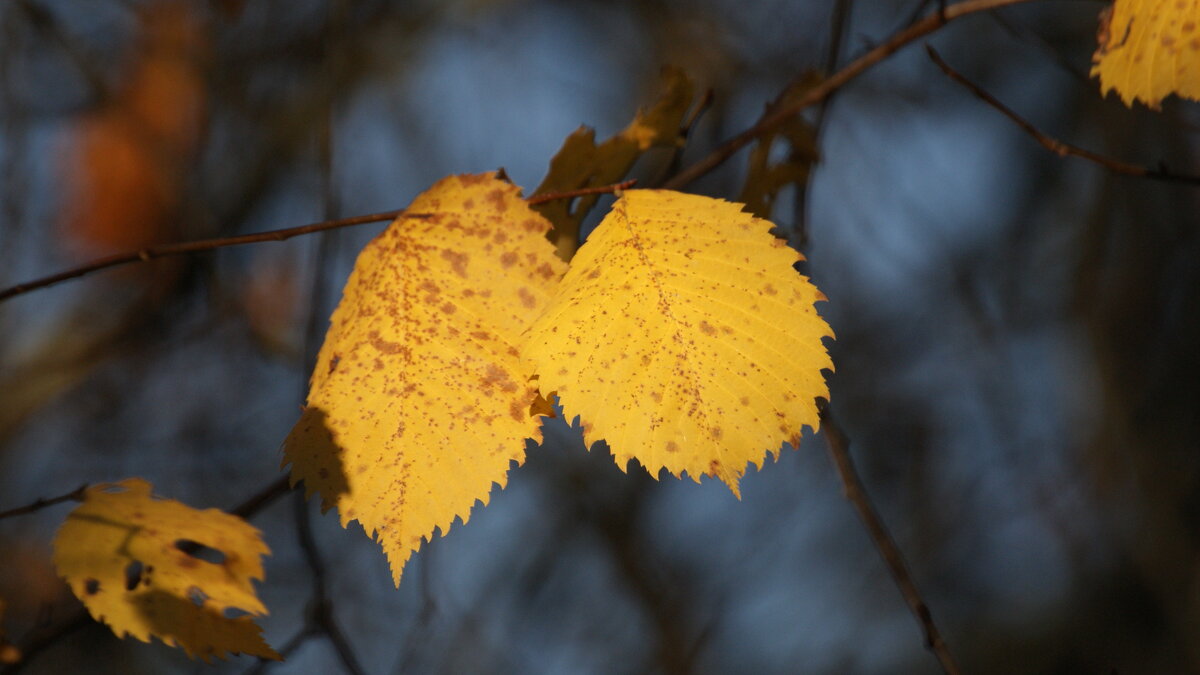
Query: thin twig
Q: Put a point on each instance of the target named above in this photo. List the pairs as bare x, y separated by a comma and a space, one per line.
263, 498
187, 247
856, 494
776, 117
1061, 148
75, 495
582, 192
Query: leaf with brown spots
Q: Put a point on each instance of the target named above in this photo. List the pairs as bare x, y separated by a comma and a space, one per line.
581, 163
148, 566
683, 336
419, 401
1149, 49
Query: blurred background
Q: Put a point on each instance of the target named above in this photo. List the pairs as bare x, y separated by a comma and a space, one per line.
1016, 350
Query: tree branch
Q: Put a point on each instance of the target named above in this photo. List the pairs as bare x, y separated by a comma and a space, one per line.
1061, 148
75, 495
184, 248
774, 118
856, 494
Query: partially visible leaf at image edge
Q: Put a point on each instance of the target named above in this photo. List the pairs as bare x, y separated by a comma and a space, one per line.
1149, 49
683, 336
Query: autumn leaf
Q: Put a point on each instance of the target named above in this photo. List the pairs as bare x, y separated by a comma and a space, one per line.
766, 177
1149, 49
148, 566
683, 336
419, 401
581, 163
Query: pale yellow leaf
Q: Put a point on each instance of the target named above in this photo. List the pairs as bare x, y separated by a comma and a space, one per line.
683, 336
1150, 49
128, 556
419, 401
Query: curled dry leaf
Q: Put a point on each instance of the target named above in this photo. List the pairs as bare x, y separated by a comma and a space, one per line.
148, 566
684, 337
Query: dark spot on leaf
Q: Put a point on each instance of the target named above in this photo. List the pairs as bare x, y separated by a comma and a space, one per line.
672, 446
458, 261
91, 586
496, 199
508, 259
333, 363
481, 335
448, 308
133, 575
745, 400
527, 298
707, 328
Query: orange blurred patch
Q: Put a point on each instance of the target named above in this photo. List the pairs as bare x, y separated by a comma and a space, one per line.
124, 167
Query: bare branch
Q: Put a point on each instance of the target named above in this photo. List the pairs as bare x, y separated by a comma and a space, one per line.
772, 119
75, 495
856, 494
582, 192
187, 247
1061, 148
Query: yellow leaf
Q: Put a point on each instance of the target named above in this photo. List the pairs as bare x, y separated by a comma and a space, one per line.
683, 336
139, 564
419, 401
1150, 49
581, 163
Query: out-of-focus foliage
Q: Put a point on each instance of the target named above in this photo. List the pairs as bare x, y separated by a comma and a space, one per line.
581, 163
155, 567
126, 162
767, 175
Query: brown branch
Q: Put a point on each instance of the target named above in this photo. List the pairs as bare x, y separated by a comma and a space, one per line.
1061, 148
184, 248
581, 192
263, 498
775, 118
75, 495
856, 494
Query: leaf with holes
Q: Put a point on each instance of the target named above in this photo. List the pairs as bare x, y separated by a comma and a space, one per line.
1149, 49
419, 401
684, 337
148, 566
